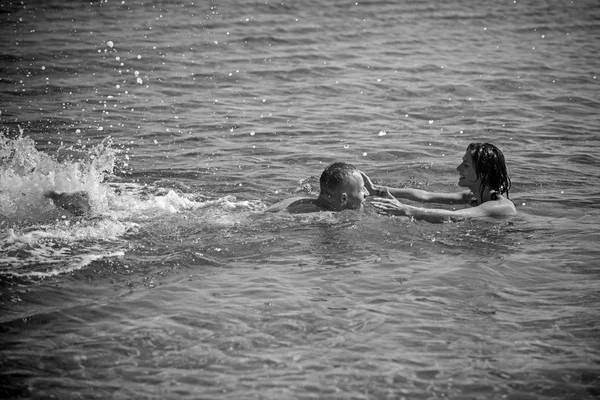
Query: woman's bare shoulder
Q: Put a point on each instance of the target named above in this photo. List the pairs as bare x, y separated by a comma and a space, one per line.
499, 207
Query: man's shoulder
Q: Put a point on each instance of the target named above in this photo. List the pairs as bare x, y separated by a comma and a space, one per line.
295, 205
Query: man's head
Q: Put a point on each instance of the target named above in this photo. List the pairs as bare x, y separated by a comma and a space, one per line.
342, 187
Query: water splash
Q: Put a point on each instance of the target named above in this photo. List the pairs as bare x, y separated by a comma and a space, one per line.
39, 239
26, 174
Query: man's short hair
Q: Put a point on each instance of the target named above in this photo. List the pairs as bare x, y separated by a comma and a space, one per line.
335, 175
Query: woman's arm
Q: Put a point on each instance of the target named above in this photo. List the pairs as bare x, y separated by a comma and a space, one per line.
390, 205
416, 194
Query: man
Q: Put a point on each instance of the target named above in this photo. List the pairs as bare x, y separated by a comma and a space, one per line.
342, 188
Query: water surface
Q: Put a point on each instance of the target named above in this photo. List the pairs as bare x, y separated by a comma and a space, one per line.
185, 120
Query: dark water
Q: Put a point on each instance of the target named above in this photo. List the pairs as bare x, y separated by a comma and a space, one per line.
184, 120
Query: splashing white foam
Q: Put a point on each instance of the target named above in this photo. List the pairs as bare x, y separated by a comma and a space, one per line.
26, 174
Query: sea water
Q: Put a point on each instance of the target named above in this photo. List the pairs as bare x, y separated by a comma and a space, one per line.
185, 120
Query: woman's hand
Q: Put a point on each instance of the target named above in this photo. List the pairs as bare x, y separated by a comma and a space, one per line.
390, 205
374, 190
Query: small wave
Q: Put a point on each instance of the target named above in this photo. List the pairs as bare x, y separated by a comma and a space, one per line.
57, 267
585, 159
50, 250
137, 202
67, 231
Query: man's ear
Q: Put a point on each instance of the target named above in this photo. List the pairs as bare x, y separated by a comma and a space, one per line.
343, 199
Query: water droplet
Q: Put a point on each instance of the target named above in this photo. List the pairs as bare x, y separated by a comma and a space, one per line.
252, 133
382, 133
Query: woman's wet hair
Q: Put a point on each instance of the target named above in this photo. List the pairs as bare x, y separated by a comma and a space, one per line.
490, 166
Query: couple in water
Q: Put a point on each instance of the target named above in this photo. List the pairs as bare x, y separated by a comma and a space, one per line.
482, 173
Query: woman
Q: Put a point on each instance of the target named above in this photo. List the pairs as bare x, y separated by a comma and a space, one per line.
482, 171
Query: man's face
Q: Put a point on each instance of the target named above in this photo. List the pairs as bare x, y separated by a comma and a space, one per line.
355, 191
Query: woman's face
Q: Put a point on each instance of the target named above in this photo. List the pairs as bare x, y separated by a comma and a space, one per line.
467, 175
